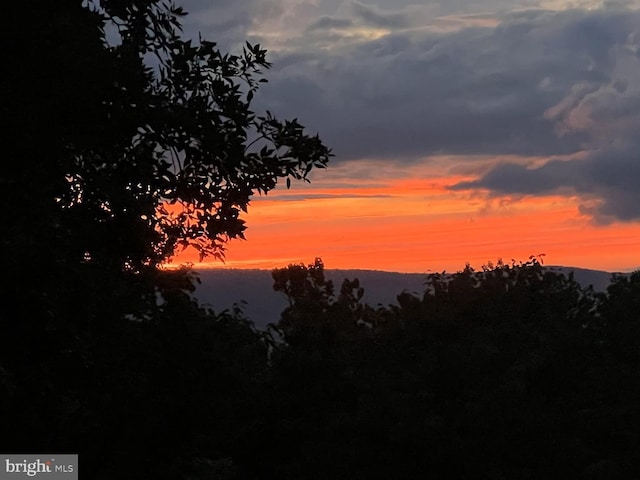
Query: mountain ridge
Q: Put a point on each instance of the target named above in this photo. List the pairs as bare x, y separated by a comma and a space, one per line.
221, 288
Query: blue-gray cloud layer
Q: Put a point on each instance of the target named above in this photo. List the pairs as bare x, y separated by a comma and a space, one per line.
610, 176
403, 83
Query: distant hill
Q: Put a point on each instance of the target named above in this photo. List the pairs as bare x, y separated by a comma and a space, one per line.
221, 288
597, 278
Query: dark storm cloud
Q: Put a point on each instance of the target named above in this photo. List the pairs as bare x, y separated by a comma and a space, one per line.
511, 178
615, 176
609, 176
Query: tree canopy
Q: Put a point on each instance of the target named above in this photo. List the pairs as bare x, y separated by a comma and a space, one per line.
126, 142
132, 141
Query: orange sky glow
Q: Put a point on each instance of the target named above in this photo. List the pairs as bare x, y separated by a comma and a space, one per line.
410, 221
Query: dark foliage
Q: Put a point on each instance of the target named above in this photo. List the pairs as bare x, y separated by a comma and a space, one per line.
510, 372
122, 148
125, 142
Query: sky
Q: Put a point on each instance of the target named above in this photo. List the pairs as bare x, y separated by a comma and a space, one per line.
464, 131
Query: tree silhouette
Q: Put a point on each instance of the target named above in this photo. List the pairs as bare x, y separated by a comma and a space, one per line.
127, 142
621, 310
129, 145
124, 143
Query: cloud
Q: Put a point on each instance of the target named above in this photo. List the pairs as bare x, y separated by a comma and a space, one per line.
231, 22
512, 178
327, 23
225, 23
568, 82
376, 17
607, 110
399, 83
607, 181
410, 94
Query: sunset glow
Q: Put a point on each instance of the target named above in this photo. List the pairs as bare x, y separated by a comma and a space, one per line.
417, 224
462, 131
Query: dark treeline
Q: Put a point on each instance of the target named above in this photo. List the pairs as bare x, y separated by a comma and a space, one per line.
509, 372
125, 142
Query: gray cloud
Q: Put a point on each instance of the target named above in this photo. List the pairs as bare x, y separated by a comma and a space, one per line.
512, 178
408, 94
531, 83
326, 22
540, 83
606, 109
231, 22
225, 23
372, 15
607, 180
